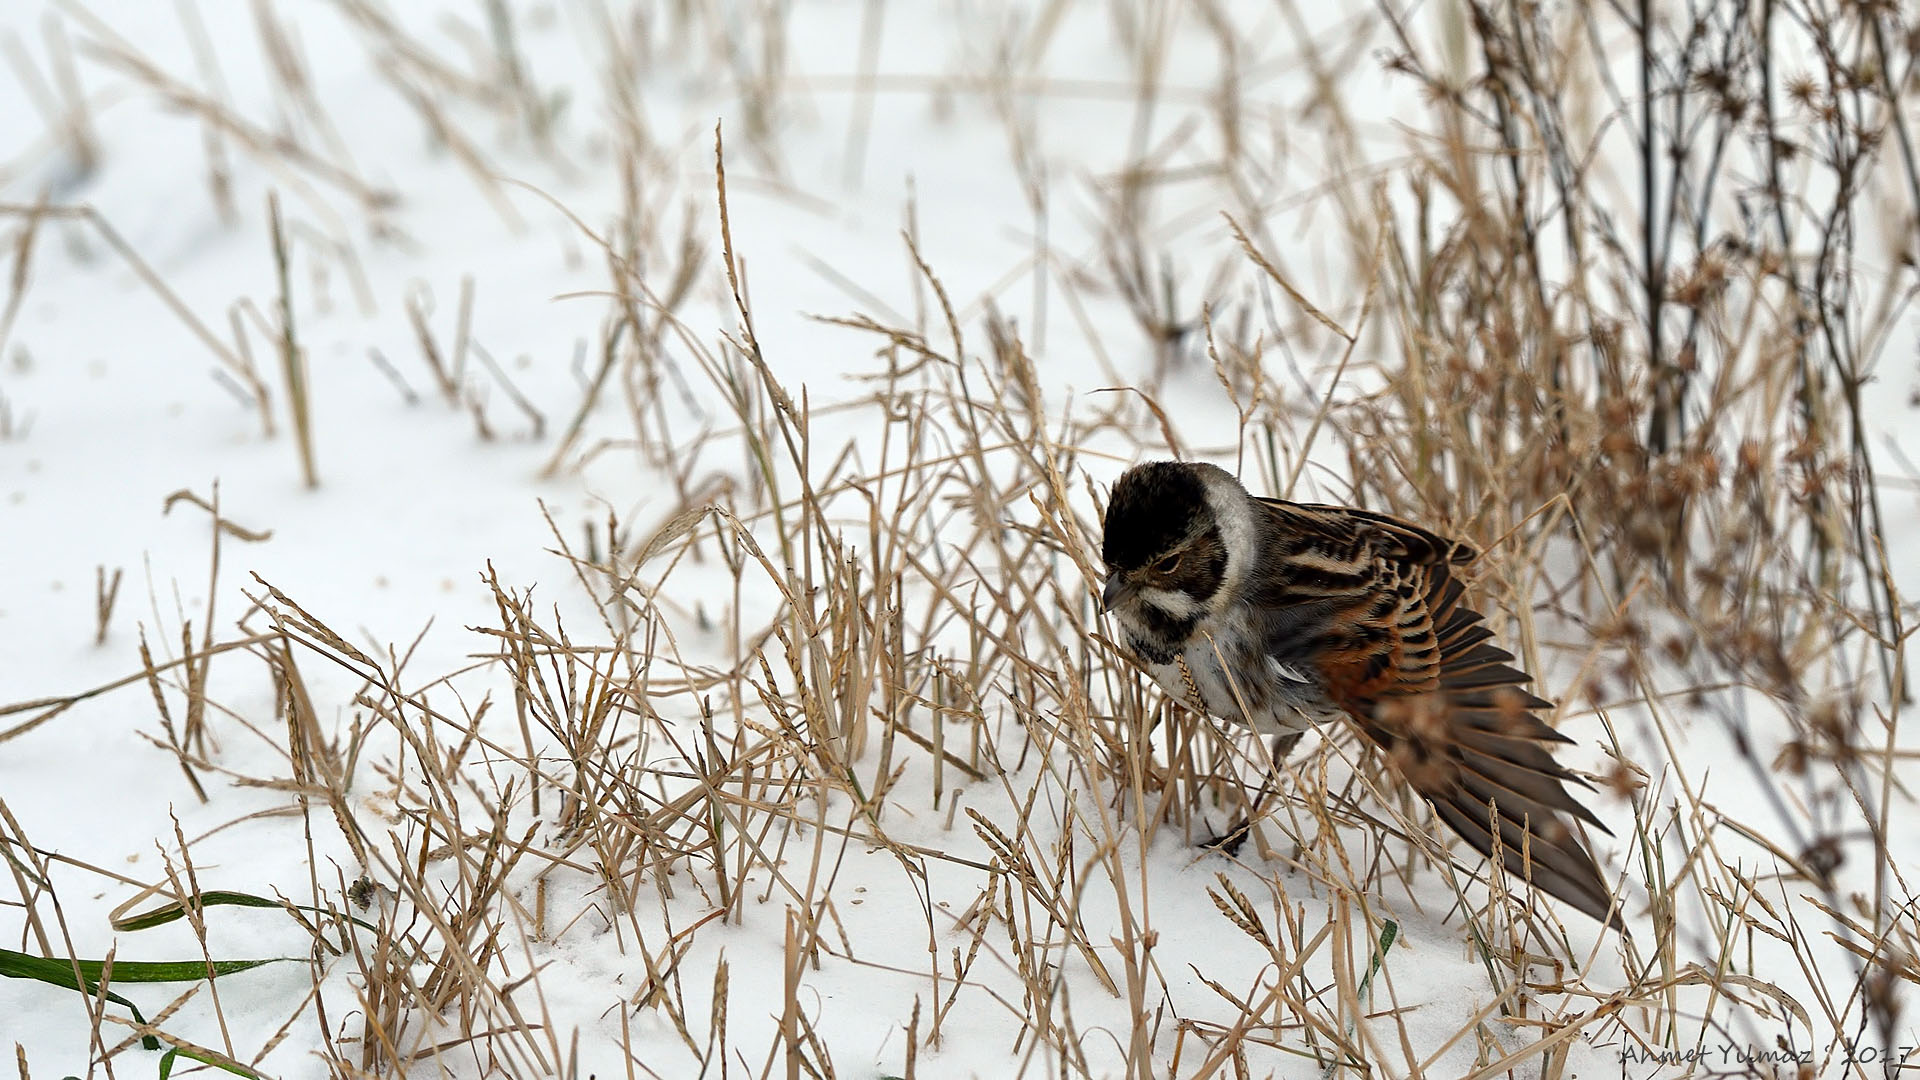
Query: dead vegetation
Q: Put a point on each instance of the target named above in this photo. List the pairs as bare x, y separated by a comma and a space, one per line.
1606, 308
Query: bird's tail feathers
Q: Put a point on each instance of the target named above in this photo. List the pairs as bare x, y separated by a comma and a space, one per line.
1474, 750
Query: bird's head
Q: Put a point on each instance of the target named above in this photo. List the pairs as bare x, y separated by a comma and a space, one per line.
1164, 546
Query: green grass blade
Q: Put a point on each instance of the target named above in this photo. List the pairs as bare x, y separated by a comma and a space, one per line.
177, 909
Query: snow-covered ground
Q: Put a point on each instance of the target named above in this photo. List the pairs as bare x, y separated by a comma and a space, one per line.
481, 182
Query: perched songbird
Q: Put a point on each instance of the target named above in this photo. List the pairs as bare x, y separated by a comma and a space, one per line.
1283, 615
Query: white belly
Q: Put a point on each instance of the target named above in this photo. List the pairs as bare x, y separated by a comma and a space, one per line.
1271, 697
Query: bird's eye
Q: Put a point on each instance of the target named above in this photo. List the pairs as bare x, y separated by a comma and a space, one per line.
1167, 565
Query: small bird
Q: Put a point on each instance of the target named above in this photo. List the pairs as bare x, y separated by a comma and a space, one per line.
1282, 615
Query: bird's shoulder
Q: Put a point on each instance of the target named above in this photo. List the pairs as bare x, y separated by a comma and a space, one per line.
1340, 589
1354, 532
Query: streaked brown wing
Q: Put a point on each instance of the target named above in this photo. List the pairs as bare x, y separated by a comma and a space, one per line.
1402, 655
1474, 749
1338, 525
1366, 579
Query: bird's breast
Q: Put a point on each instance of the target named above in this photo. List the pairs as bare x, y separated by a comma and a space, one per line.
1225, 673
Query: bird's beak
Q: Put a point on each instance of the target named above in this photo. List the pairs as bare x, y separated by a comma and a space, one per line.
1117, 590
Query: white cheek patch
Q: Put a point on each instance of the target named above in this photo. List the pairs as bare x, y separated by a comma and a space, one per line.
1176, 605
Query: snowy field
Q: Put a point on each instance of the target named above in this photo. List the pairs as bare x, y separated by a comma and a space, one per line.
624, 616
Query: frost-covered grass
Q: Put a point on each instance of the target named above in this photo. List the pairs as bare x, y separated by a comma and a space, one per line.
588, 511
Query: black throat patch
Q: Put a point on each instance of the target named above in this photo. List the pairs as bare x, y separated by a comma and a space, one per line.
1161, 637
